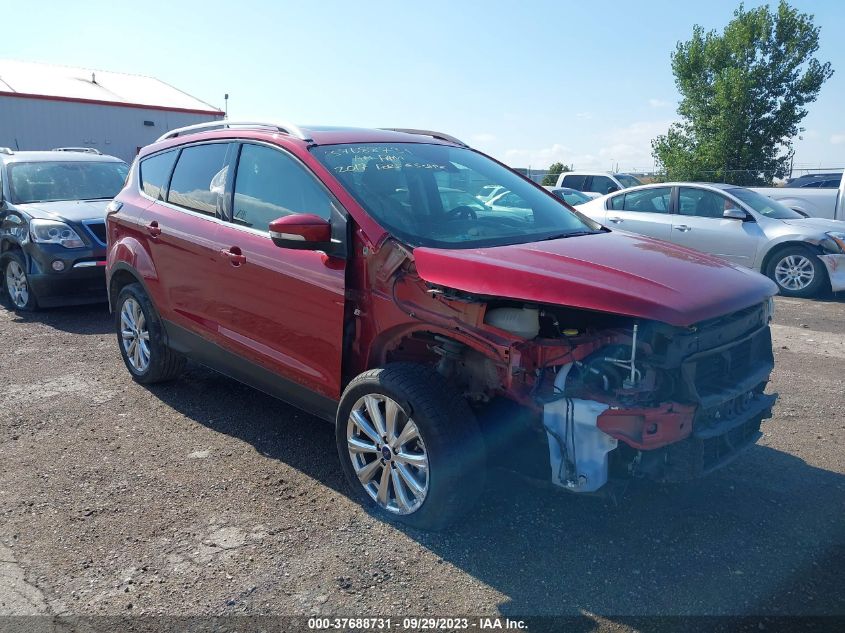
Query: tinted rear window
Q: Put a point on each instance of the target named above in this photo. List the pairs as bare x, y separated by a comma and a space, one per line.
574, 182
199, 178
154, 173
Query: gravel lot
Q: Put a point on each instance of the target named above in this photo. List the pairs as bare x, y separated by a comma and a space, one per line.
206, 497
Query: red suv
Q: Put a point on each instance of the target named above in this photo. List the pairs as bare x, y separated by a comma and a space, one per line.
359, 275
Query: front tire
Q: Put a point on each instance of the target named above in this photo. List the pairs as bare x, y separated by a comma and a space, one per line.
798, 272
16, 283
140, 337
410, 446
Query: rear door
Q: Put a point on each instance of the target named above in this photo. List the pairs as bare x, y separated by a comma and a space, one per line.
700, 224
644, 211
281, 309
181, 228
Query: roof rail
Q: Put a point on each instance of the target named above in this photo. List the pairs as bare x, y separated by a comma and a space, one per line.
83, 150
438, 135
6, 150
284, 128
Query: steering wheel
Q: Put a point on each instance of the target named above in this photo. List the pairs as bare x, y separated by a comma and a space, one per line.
462, 212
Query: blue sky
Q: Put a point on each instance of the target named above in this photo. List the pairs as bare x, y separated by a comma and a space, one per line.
587, 83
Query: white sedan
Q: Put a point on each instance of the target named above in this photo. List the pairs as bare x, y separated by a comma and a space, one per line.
802, 255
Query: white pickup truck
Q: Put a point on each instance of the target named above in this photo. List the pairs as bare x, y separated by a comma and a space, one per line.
814, 203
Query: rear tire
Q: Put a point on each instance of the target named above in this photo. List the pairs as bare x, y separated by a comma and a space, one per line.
798, 272
15, 283
140, 337
432, 477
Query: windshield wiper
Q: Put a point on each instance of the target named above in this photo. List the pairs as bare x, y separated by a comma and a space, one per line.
571, 234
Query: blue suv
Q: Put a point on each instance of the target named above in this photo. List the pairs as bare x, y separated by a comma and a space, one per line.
52, 226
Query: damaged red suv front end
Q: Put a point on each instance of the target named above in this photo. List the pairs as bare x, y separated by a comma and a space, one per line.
626, 356
634, 357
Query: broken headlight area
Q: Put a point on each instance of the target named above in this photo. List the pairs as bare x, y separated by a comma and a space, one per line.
654, 401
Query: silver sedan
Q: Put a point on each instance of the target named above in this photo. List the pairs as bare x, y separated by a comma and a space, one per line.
802, 255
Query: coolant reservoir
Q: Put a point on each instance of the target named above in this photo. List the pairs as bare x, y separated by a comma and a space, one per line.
524, 322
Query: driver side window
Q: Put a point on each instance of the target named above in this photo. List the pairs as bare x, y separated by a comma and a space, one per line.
702, 203
270, 184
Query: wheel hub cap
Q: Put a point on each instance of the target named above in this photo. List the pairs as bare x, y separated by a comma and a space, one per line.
16, 284
795, 272
388, 454
135, 336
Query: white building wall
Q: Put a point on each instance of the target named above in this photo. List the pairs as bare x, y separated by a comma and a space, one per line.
39, 124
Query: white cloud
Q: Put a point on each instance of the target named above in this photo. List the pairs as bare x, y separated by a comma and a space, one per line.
538, 158
483, 137
658, 103
837, 139
628, 146
583, 115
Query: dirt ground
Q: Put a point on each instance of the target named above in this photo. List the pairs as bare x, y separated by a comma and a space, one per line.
206, 497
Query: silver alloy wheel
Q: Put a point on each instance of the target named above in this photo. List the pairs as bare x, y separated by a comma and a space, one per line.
795, 272
134, 335
388, 454
16, 284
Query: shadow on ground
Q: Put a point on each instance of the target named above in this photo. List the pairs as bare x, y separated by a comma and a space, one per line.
86, 319
763, 536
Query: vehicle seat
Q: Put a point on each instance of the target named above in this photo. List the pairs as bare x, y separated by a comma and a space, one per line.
709, 207
383, 185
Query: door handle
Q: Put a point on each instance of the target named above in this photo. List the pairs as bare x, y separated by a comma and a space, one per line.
235, 256
682, 227
616, 219
153, 229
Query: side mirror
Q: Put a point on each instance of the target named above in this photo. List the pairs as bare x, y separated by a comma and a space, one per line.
612, 189
302, 231
735, 214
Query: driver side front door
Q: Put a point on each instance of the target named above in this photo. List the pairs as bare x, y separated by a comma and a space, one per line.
281, 309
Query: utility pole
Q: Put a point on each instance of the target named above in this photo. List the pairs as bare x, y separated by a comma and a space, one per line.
226, 106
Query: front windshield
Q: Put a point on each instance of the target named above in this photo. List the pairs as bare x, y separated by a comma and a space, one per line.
436, 195
47, 181
763, 205
628, 181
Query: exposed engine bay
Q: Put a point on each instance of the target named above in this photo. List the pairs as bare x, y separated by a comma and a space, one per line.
608, 395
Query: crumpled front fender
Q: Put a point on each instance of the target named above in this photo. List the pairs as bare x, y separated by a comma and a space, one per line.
835, 265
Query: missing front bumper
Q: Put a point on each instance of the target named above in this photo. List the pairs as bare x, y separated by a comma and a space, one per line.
709, 448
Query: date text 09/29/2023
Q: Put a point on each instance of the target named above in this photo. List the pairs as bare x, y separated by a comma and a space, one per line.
416, 624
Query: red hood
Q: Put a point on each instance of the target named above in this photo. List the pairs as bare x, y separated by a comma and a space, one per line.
611, 272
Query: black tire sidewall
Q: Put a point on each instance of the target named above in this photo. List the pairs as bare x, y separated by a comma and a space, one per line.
158, 349
32, 301
819, 278
455, 451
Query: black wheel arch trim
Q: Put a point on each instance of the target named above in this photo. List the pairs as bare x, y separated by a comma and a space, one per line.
767, 258
123, 267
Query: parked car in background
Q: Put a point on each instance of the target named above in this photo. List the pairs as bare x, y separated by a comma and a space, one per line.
572, 197
52, 225
488, 192
802, 255
814, 202
84, 150
598, 182
816, 181
321, 266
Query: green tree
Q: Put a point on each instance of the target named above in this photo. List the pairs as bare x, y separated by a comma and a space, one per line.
744, 93
555, 170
